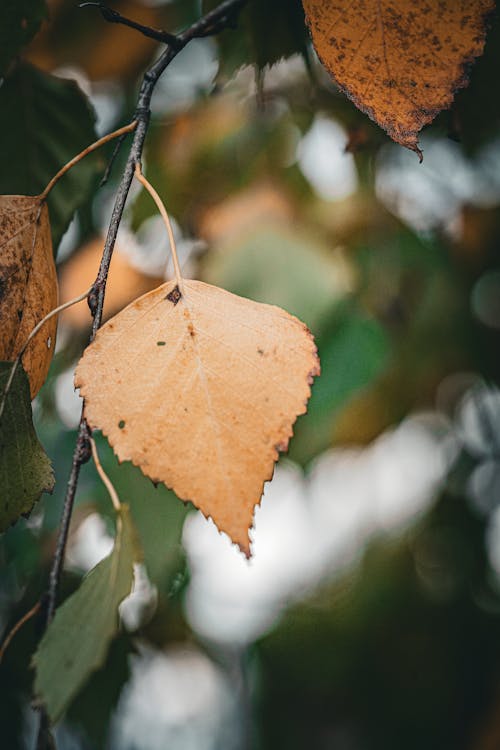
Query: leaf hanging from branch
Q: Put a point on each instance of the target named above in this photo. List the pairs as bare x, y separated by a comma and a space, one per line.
25, 470
200, 389
399, 61
28, 284
76, 642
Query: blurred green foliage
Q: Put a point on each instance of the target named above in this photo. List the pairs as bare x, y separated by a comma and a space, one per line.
21, 20
49, 121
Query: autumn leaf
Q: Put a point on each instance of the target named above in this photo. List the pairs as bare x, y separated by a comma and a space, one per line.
76, 642
399, 61
28, 284
25, 470
200, 389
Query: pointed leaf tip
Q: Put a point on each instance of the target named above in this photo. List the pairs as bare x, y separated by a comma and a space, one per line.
399, 61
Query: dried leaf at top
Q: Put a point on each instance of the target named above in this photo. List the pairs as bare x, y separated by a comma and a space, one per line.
28, 284
399, 61
200, 389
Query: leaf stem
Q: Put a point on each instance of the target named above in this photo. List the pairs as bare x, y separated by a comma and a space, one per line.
106, 480
164, 214
93, 147
10, 635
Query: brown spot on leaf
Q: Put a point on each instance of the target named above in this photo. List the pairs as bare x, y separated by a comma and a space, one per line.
174, 296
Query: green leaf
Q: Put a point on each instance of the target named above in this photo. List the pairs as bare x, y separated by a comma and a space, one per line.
25, 470
94, 706
157, 513
19, 22
272, 264
353, 352
76, 642
46, 121
267, 32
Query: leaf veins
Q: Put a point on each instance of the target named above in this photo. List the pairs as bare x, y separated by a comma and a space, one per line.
208, 412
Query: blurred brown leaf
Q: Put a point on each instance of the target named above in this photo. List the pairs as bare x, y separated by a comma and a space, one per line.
257, 204
81, 37
125, 282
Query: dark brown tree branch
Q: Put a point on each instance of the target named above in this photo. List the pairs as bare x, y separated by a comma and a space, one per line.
222, 16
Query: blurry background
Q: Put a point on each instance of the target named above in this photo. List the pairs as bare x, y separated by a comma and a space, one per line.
369, 616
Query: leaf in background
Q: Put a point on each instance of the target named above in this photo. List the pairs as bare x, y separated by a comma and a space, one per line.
354, 351
200, 389
28, 285
125, 282
400, 62
267, 32
95, 703
159, 518
271, 263
475, 116
25, 470
157, 514
49, 121
19, 22
76, 642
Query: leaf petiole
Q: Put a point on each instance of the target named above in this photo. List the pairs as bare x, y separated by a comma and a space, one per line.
93, 147
164, 214
106, 480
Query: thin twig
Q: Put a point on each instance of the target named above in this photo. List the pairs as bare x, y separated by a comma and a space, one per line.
119, 143
112, 16
106, 480
121, 132
164, 215
10, 635
206, 24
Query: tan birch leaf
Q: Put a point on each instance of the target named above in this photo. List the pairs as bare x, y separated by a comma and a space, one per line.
200, 389
400, 61
28, 284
